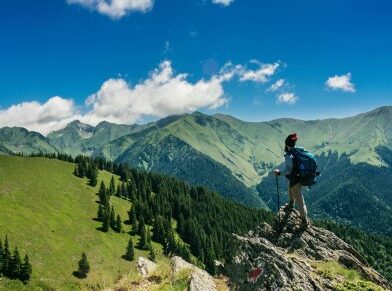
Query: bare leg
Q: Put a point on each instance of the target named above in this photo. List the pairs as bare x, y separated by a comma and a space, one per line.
299, 199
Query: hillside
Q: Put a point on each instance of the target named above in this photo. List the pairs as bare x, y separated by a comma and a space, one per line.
48, 213
51, 214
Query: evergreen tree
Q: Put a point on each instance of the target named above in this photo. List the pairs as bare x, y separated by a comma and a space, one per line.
101, 213
140, 225
102, 193
93, 175
1, 257
143, 239
25, 270
134, 222
15, 265
130, 253
106, 223
7, 258
118, 223
123, 190
84, 267
113, 219
148, 235
112, 187
118, 192
152, 255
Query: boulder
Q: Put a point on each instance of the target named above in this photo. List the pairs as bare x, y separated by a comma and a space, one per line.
145, 267
200, 280
285, 256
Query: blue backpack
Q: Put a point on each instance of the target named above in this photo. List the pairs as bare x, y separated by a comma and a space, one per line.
306, 165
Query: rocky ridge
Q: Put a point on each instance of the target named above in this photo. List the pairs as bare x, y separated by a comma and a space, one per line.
286, 256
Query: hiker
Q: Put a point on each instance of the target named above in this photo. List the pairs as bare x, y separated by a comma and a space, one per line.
291, 173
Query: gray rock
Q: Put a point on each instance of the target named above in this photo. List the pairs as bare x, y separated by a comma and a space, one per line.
145, 267
200, 280
280, 257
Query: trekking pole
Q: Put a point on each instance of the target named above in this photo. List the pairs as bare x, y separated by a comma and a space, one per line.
278, 194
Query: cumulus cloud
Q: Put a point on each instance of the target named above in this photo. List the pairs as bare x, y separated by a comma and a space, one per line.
287, 98
276, 86
51, 115
260, 75
115, 9
223, 2
342, 82
164, 92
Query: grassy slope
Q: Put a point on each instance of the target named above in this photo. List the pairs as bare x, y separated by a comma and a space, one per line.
48, 212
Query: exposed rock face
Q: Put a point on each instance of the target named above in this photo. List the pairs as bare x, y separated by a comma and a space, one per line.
285, 257
200, 279
145, 267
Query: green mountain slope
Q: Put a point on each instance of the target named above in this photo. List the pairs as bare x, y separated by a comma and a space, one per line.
79, 138
20, 140
48, 213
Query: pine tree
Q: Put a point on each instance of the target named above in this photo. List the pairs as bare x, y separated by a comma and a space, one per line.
140, 225
101, 213
134, 222
106, 223
143, 239
84, 267
112, 187
113, 219
7, 258
1, 257
15, 265
152, 255
118, 192
118, 223
130, 253
102, 193
148, 235
25, 270
93, 175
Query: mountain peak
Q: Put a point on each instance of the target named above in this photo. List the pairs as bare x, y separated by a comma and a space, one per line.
286, 256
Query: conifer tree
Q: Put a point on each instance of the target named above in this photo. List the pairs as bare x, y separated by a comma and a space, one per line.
118, 223
1, 257
140, 225
84, 267
101, 213
15, 265
130, 253
7, 258
134, 222
148, 235
118, 192
113, 219
106, 223
25, 270
152, 255
93, 175
112, 186
102, 193
143, 239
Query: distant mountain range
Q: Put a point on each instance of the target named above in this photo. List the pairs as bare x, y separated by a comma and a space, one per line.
226, 154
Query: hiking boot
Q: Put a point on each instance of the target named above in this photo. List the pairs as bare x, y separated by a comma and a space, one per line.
289, 206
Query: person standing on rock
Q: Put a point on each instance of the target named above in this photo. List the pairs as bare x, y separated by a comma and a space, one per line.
291, 173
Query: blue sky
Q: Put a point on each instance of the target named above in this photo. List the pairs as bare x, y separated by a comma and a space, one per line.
76, 50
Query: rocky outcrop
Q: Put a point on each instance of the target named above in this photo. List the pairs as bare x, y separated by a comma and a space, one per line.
287, 256
200, 280
145, 267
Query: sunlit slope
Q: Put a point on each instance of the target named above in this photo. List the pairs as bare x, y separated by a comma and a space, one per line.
48, 213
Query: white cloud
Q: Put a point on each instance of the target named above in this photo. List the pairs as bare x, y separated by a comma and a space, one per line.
260, 75
223, 2
163, 93
288, 98
51, 115
342, 82
276, 86
115, 9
